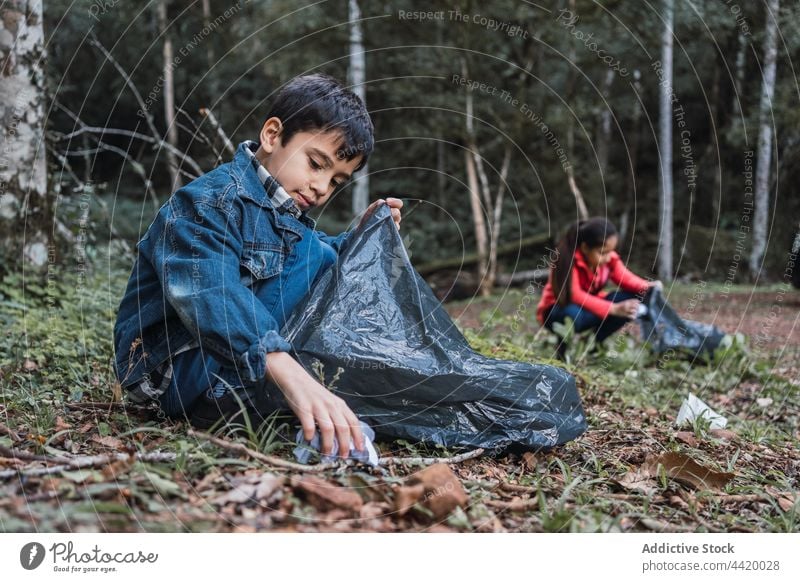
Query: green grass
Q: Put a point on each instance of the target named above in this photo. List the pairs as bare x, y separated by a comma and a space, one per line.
56, 354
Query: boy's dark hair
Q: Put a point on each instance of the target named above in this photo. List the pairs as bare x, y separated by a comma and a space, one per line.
594, 232
320, 102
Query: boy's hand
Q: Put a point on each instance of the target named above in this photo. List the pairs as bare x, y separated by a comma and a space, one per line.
315, 405
625, 308
657, 284
395, 204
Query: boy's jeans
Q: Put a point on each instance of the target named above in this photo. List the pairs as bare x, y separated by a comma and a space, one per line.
584, 319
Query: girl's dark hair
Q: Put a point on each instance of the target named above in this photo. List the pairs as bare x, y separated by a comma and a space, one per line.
320, 102
594, 232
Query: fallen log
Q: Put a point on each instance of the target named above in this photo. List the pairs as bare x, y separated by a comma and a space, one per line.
472, 258
517, 277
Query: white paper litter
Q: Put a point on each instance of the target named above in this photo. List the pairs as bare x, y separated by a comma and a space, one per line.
692, 408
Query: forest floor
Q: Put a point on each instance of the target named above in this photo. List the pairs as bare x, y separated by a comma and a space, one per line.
73, 459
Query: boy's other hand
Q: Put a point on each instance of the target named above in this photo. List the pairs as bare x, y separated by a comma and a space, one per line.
657, 284
394, 204
315, 405
626, 309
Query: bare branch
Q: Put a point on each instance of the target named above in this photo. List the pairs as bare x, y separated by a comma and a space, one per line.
136, 135
129, 82
208, 114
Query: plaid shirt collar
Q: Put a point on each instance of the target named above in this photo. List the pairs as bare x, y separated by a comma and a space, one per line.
277, 195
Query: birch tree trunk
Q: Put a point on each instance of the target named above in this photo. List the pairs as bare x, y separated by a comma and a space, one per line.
665, 197
169, 97
356, 74
24, 207
764, 156
478, 220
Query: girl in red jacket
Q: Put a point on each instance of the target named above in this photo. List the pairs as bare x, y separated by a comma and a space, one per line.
586, 262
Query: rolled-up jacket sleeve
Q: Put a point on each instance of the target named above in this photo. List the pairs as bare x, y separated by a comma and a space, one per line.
198, 261
337, 242
620, 275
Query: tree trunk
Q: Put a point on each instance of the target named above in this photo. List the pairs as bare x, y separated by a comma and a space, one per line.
630, 187
569, 90
494, 233
169, 97
665, 146
478, 220
764, 159
709, 206
210, 80
604, 131
356, 77
739, 79
24, 206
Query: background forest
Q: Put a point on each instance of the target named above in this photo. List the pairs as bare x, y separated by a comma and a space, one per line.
499, 123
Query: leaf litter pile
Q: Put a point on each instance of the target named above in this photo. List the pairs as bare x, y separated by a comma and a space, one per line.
80, 460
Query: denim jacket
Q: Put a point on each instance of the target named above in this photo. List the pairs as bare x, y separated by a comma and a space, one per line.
198, 264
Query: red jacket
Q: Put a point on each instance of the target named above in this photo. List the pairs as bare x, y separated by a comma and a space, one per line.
587, 285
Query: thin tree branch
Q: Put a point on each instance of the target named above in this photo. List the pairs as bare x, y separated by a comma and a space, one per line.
136, 135
208, 114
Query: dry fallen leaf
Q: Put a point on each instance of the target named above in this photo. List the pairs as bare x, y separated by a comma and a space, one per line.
60, 424
109, 441
677, 466
443, 491
687, 437
638, 480
406, 496
682, 468
240, 494
786, 499
723, 433
113, 471
324, 495
268, 487
375, 509
529, 461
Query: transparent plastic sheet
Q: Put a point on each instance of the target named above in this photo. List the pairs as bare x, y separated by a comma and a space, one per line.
666, 330
405, 369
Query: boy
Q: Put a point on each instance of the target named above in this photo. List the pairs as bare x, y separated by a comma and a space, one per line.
227, 259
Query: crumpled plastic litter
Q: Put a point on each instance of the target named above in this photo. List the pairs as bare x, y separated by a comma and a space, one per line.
693, 408
368, 456
665, 330
378, 332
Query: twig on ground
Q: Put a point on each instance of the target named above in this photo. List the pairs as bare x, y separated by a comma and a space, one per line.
10, 433
664, 527
108, 406
73, 463
431, 460
266, 459
22, 455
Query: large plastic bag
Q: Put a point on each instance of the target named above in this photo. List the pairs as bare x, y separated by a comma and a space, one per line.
664, 329
405, 369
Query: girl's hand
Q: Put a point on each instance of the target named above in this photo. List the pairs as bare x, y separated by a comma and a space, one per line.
657, 284
394, 204
626, 309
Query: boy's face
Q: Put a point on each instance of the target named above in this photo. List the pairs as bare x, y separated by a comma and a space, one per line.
307, 166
